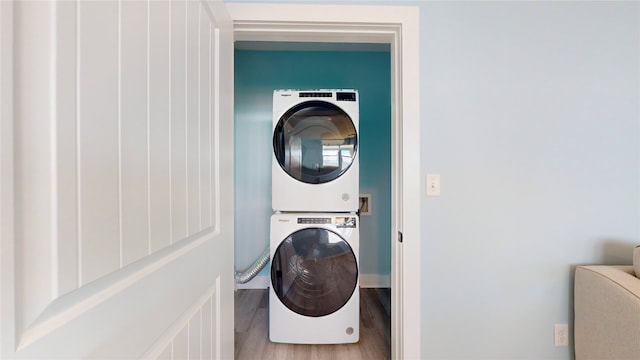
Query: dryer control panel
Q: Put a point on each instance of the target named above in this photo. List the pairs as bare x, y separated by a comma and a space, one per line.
346, 96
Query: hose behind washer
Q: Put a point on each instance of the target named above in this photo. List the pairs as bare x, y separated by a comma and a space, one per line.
246, 276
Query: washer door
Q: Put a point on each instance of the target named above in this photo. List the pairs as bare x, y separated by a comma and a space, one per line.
315, 142
314, 272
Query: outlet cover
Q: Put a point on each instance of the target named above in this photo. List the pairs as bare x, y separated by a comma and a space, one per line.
561, 337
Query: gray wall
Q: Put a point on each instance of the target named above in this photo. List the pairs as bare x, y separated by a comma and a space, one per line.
530, 111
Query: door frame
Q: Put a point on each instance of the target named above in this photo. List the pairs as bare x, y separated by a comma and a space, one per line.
7, 315
397, 26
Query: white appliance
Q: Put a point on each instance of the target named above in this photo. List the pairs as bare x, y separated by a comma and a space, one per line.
315, 150
314, 295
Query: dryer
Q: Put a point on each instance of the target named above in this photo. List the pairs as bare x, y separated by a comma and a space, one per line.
314, 295
315, 150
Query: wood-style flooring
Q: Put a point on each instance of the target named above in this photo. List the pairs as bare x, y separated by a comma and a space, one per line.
252, 330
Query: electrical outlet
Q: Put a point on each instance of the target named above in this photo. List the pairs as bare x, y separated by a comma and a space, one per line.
561, 334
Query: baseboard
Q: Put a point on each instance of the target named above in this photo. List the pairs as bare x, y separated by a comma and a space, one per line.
366, 281
258, 282
375, 281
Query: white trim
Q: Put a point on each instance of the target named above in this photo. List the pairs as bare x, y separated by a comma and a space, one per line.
399, 27
258, 282
409, 199
7, 281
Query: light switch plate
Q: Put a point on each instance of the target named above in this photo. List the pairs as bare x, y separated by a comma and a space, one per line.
433, 184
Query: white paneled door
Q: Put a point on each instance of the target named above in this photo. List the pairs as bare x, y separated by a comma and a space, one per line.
116, 187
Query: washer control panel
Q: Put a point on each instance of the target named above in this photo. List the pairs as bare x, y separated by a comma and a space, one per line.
306, 220
340, 221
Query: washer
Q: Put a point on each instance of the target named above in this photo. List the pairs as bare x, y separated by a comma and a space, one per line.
315, 150
314, 295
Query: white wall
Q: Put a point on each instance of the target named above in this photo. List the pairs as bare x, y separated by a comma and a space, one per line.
530, 111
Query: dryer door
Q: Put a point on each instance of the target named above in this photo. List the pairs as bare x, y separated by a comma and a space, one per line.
314, 272
315, 142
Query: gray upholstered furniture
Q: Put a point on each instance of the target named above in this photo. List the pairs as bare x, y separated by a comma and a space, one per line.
607, 311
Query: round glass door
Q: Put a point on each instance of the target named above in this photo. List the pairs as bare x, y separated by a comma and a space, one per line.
315, 142
314, 272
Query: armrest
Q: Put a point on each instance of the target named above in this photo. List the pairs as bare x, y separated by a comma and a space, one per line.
607, 313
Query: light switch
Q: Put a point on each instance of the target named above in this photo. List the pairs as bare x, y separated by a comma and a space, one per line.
433, 184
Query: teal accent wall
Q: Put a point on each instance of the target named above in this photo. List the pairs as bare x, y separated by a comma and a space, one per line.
257, 74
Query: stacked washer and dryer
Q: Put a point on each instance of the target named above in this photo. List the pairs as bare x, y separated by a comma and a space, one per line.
314, 293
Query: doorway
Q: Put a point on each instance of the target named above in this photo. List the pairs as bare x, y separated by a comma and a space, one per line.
260, 69
398, 27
